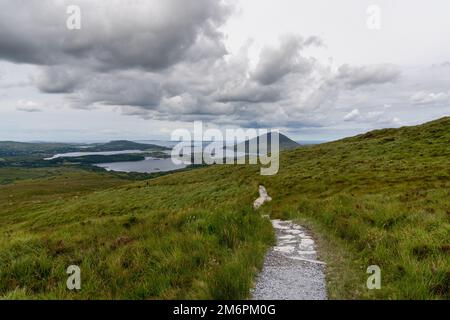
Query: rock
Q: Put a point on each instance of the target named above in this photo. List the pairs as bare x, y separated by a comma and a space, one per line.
263, 197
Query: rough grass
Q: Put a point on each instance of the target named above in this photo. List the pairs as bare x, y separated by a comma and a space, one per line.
10, 175
184, 236
380, 198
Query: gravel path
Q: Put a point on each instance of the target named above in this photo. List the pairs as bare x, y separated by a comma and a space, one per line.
291, 270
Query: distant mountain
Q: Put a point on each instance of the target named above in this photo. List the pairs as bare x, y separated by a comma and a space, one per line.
14, 149
285, 143
121, 145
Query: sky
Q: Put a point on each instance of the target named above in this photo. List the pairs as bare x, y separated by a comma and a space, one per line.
139, 69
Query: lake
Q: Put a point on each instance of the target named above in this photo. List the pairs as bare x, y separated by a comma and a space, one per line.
102, 153
149, 165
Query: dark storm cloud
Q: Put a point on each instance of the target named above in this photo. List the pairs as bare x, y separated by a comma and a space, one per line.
58, 79
167, 60
115, 34
134, 89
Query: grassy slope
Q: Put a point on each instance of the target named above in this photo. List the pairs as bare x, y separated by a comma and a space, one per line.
181, 236
381, 198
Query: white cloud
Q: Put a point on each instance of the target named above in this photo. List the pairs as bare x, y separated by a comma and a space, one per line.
374, 117
424, 97
28, 106
352, 115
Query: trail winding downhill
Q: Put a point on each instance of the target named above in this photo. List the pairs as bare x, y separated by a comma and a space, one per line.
291, 270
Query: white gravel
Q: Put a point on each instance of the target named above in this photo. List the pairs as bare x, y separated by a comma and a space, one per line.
291, 270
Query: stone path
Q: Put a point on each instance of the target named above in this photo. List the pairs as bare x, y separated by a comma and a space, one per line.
291, 270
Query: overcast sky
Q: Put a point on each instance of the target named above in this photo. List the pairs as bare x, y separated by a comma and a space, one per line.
138, 69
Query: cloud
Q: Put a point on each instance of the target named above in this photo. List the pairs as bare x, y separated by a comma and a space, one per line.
114, 34
249, 93
276, 63
367, 75
28, 106
121, 89
352, 115
424, 97
58, 79
442, 65
374, 117
165, 60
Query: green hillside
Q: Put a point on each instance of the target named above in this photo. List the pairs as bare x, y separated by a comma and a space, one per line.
379, 198
14, 149
32, 155
120, 145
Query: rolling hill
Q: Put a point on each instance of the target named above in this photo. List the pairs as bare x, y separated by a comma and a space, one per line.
121, 145
12, 148
381, 198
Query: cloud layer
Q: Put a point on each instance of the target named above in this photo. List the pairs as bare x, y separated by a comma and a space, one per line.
167, 60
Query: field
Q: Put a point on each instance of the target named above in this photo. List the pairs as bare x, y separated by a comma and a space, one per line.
379, 198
